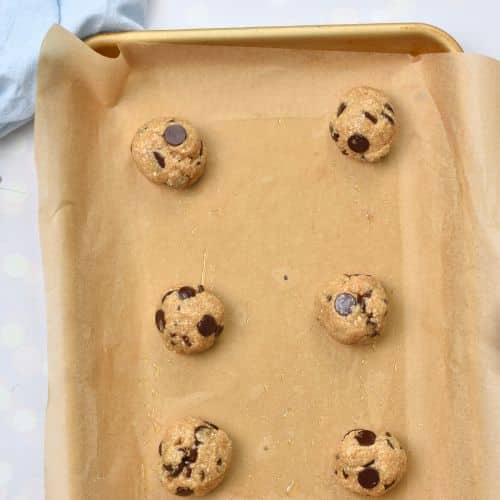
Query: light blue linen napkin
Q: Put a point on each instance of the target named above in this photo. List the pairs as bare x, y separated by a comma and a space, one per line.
23, 25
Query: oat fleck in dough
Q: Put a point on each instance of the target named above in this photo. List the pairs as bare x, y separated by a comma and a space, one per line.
352, 307
364, 124
369, 463
194, 457
189, 320
169, 151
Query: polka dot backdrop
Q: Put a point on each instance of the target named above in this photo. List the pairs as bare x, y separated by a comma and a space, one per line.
23, 359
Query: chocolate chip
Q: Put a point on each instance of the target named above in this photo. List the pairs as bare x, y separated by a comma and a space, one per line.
201, 434
341, 108
385, 115
389, 107
173, 471
188, 472
186, 292
335, 136
344, 303
159, 448
335, 471
358, 143
344, 474
368, 478
178, 307
219, 462
211, 425
159, 159
220, 329
365, 438
201, 148
170, 292
285, 277
191, 457
362, 300
329, 298
207, 325
172, 342
175, 134
388, 434
187, 340
160, 320
201, 288
387, 486
390, 444
183, 492
370, 117
369, 463
344, 152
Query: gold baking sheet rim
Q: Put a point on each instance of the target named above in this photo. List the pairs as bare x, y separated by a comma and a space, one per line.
403, 38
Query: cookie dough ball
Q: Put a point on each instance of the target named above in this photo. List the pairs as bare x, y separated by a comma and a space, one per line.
194, 457
169, 151
189, 320
369, 463
364, 125
352, 307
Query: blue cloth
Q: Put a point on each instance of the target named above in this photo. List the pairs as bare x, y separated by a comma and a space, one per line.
23, 25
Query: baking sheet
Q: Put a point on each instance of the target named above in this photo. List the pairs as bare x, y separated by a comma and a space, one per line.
277, 199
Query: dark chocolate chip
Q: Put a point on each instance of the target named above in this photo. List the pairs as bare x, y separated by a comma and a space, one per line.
388, 434
191, 457
159, 448
389, 107
187, 340
358, 143
329, 298
186, 292
178, 307
207, 325
181, 491
344, 152
344, 303
198, 433
220, 329
211, 425
344, 474
201, 148
365, 438
362, 300
170, 292
201, 288
390, 444
219, 462
390, 118
369, 463
188, 472
173, 471
335, 136
335, 471
160, 320
387, 486
285, 277
368, 478
175, 134
370, 117
341, 108
159, 159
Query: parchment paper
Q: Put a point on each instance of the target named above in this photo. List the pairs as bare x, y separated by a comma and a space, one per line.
277, 199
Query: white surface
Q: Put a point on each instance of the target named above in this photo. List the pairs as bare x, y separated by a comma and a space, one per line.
23, 364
